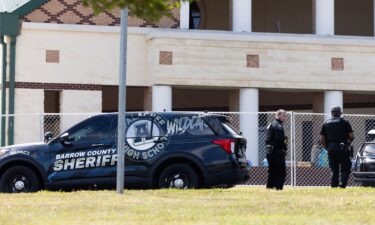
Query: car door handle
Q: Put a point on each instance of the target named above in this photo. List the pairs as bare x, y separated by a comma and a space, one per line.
159, 141
97, 145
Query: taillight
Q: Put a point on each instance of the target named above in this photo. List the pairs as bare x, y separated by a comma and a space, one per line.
226, 144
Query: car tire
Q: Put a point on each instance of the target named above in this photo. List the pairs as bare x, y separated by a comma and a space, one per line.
229, 186
179, 176
19, 179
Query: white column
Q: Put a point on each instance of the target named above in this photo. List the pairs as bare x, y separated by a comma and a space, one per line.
184, 14
332, 98
161, 98
325, 17
249, 107
241, 15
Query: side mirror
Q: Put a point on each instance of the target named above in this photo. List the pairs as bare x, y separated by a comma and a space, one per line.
65, 139
47, 137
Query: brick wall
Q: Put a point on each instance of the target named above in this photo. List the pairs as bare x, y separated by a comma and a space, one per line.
72, 12
57, 86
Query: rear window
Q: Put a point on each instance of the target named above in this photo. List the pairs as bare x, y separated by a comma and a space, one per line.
370, 148
189, 125
229, 129
205, 130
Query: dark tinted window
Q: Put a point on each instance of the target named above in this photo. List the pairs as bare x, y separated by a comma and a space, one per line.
189, 125
204, 130
195, 16
93, 130
229, 129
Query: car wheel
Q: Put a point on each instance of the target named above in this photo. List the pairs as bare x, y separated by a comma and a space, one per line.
179, 176
19, 179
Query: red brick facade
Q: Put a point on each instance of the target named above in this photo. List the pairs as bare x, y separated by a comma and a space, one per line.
165, 58
58, 86
337, 63
252, 61
72, 12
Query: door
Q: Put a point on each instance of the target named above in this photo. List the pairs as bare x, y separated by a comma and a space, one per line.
85, 153
146, 141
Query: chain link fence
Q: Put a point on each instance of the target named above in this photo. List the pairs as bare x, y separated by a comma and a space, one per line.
32, 127
307, 160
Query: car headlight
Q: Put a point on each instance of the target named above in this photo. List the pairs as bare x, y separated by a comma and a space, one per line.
3, 151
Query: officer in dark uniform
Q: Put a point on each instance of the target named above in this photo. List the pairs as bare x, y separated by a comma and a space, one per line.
276, 143
336, 136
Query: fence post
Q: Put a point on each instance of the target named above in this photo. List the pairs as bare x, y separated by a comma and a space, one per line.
2, 135
292, 150
41, 125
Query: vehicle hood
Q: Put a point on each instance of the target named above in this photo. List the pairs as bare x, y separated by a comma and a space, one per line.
26, 149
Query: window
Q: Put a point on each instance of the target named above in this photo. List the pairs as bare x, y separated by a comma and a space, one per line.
205, 130
195, 16
229, 128
195, 126
370, 149
370, 125
95, 130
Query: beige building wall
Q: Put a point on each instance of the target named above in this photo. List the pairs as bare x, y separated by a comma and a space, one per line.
87, 54
90, 55
285, 61
28, 128
199, 59
76, 106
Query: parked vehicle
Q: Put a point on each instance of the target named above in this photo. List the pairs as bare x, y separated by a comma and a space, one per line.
163, 150
371, 135
365, 165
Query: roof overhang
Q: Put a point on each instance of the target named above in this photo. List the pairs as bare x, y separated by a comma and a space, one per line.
9, 24
9, 21
28, 7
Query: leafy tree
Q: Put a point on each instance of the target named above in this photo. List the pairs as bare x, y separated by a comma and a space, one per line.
151, 10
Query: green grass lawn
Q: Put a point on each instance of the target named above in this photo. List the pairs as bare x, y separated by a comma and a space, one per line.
240, 205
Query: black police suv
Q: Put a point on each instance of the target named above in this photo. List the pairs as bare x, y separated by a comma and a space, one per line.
365, 165
162, 150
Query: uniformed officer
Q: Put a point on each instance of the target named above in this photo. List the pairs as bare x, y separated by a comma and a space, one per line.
276, 143
335, 136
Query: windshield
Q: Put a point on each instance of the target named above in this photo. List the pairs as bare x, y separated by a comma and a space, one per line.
370, 148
